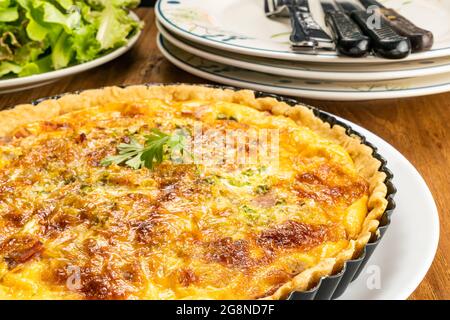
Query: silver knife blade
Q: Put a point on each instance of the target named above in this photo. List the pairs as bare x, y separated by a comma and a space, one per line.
313, 29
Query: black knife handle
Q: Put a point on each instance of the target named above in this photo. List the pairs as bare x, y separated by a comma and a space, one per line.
421, 39
386, 42
299, 38
350, 41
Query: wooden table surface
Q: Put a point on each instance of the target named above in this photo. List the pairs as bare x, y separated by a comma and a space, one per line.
418, 127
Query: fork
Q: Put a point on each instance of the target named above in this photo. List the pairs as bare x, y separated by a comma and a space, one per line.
299, 38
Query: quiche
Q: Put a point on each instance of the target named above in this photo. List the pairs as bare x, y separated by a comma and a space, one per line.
92, 206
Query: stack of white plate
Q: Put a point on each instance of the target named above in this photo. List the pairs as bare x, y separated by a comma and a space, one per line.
234, 43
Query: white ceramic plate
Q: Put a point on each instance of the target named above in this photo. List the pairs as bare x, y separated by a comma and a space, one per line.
19, 84
313, 89
242, 27
407, 250
310, 70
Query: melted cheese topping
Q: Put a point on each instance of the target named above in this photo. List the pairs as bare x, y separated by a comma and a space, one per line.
73, 229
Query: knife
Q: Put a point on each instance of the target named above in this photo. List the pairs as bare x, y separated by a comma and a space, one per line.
421, 39
312, 28
349, 39
386, 42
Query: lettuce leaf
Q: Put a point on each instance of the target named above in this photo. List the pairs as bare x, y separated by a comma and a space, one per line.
4, 3
62, 51
42, 35
66, 4
9, 14
8, 67
38, 66
85, 43
113, 26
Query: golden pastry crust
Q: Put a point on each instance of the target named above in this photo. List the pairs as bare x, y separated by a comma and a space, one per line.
366, 165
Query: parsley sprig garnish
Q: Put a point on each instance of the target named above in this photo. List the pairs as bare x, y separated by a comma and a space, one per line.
156, 145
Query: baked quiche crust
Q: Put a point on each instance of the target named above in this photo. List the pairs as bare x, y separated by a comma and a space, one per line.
366, 166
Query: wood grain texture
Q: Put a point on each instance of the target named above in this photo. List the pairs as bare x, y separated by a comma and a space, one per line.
418, 127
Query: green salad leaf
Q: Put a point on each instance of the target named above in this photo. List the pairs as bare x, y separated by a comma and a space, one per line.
113, 26
38, 36
9, 14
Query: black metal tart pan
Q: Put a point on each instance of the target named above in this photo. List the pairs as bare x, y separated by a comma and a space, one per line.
332, 287
329, 287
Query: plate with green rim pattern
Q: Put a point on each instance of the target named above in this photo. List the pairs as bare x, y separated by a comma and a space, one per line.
311, 70
313, 89
242, 27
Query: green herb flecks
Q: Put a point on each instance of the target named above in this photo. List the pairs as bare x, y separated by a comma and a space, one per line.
152, 152
222, 116
262, 189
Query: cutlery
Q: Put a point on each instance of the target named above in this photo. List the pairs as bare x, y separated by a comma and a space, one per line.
299, 37
307, 33
386, 42
314, 30
349, 39
421, 39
